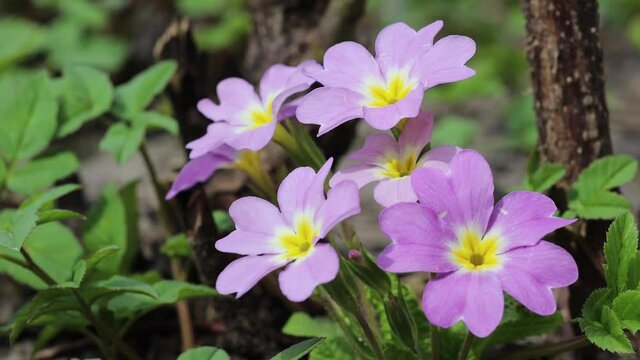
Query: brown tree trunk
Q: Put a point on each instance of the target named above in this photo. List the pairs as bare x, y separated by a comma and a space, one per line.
565, 55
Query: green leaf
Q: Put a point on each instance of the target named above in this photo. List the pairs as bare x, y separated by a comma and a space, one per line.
41, 173
626, 308
302, 325
58, 215
3, 171
602, 205
37, 201
544, 177
79, 272
135, 95
606, 173
122, 141
454, 130
607, 334
83, 12
28, 111
204, 353
335, 348
223, 221
15, 231
633, 278
116, 286
592, 308
299, 350
86, 94
621, 246
105, 226
20, 39
177, 246
154, 120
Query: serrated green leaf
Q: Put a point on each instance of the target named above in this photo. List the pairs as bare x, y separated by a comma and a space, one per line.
79, 272
633, 278
116, 286
154, 120
607, 334
299, 350
14, 233
627, 309
621, 246
135, 95
605, 174
41, 173
598, 299
122, 141
544, 177
302, 325
28, 111
602, 205
204, 353
177, 246
57, 215
20, 39
86, 94
37, 201
336, 348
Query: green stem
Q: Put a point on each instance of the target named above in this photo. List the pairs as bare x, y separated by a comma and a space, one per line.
15, 261
369, 334
338, 315
466, 347
36, 269
547, 350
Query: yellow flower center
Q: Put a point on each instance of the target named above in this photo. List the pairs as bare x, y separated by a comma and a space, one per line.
476, 254
299, 243
397, 168
396, 89
260, 116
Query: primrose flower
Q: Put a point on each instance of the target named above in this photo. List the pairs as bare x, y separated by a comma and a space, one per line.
389, 87
244, 119
390, 163
272, 238
200, 169
478, 250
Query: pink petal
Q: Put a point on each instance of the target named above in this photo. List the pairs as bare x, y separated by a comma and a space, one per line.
550, 264
280, 82
210, 110
444, 61
215, 136
359, 174
302, 190
248, 243
393, 191
376, 147
236, 96
522, 218
253, 139
444, 298
464, 195
343, 201
301, 277
329, 108
443, 154
242, 274
398, 45
415, 224
399, 258
196, 171
416, 133
386, 117
253, 214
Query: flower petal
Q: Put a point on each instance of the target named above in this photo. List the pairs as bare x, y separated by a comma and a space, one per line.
398, 45
393, 191
210, 110
212, 139
280, 82
242, 274
400, 258
444, 61
329, 108
253, 214
251, 139
343, 201
302, 190
248, 243
464, 195
359, 174
522, 218
444, 298
386, 117
443, 154
416, 133
236, 96
376, 147
196, 171
548, 263
301, 277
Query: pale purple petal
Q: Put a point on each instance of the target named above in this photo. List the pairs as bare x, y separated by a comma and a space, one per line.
398, 45
376, 147
253, 214
444, 61
346, 65
236, 96
522, 218
248, 243
548, 263
444, 298
253, 139
463, 195
386, 117
394, 190
314, 197
280, 82
443, 154
534, 295
196, 171
399, 258
301, 277
302, 190
415, 224
210, 110
215, 137
343, 201
359, 174
242, 274
329, 108
416, 132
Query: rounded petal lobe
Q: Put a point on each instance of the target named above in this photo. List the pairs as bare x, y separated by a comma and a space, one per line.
548, 263
243, 274
301, 277
398, 45
404, 258
534, 295
416, 132
386, 117
254, 139
376, 147
444, 299
359, 174
196, 171
415, 224
444, 61
236, 96
212, 139
343, 201
210, 110
302, 190
253, 214
346, 65
247, 243
392, 191
329, 108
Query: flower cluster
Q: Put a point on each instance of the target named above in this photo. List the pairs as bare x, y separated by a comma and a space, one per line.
438, 202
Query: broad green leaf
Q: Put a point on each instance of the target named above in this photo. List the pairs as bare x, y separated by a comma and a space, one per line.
454, 130
544, 177
79, 272
224, 223
28, 111
117, 285
602, 205
86, 94
155, 120
105, 226
20, 38
627, 309
38, 201
335, 348
177, 246
135, 95
97, 257
15, 231
41, 173
606, 173
299, 350
3, 171
122, 141
225, 33
619, 249
204, 353
58, 215
633, 278
606, 334
599, 298
84, 12
302, 325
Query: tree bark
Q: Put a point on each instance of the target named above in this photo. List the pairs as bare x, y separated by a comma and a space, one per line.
565, 54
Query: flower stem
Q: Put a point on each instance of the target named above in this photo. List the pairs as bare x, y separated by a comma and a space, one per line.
369, 334
466, 347
547, 349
